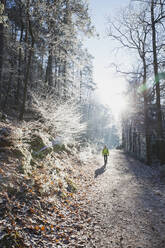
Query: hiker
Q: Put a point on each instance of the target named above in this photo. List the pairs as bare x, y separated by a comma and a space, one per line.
105, 153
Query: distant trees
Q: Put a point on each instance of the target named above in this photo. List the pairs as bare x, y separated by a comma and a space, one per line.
101, 128
141, 29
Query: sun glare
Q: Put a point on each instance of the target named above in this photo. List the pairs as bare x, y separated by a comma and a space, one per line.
112, 95
117, 104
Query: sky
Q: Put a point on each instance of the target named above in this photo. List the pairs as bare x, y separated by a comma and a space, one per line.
110, 84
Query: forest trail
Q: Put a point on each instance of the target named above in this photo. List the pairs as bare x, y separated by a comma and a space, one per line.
128, 203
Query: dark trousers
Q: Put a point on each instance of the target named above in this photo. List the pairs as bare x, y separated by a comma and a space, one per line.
105, 159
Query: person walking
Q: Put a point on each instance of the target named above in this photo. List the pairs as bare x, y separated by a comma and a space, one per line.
105, 153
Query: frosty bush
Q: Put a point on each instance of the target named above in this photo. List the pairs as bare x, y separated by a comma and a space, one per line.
63, 118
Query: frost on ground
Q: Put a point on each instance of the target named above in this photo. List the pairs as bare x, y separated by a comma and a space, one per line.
42, 191
64, 197
128, 205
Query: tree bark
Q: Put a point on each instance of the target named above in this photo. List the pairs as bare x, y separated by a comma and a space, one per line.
8, 86
30, 50
156, 74
146, 121
1, 49
49, 71
17, 97
26, 82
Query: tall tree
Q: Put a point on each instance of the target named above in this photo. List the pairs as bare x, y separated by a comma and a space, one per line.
2, 20
154, 21
42, 44
131, 32
29, 35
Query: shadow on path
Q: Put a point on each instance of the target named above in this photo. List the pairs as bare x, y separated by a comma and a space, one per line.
100, 171
130, 198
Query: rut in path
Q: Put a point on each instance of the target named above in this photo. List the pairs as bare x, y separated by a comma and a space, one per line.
128, 202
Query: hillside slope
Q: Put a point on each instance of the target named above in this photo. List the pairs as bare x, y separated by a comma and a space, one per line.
42, 190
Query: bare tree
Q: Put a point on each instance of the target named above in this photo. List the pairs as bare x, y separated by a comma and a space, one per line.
154, 21
132, 32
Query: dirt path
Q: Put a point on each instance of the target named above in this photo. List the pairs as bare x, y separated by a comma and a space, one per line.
128, 203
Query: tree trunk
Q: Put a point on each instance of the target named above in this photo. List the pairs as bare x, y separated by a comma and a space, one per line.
49, 72
81, 79
26, 82
29, 30
1, 48
8, 87
130, 138
146, 121
158, 105
147, 133
55, 72
65, 90
17, 97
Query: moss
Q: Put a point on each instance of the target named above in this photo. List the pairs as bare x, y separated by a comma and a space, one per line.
57, 170
12, 240
35, 165
11, 190
71, 186
62, 194
36, 144
32, 162
42, 154
17, 153
59, 148
20, 169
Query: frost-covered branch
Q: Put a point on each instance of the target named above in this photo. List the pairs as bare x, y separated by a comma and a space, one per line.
63, 119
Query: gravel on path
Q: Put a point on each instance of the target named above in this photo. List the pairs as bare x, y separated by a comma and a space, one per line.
127, 203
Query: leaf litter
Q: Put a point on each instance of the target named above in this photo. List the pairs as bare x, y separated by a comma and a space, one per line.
58, 201
46, 205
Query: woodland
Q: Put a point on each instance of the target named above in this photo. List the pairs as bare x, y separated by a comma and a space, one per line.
139, 29
53, 126
43, 64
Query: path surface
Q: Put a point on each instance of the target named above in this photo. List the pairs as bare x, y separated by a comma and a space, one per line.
128, 203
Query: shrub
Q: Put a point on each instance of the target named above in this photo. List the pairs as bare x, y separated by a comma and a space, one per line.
62, 119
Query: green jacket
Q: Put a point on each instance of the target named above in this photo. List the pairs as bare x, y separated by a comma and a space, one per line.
105, 151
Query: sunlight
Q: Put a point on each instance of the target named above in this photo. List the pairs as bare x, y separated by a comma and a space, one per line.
118, 104
112, 95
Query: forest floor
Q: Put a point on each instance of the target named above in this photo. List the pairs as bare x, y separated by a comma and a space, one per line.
86, 205
128, 204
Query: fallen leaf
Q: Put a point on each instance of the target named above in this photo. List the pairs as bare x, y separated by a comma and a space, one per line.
42, 228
